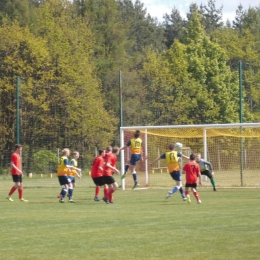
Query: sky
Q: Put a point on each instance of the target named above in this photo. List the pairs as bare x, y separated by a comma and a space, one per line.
157, 8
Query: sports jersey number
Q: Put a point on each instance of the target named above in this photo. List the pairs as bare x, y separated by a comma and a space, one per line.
193, 167
137, 144
172, 158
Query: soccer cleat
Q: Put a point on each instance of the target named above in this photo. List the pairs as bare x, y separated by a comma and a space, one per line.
61, 200
199, 201
72, 201
184, 198
96, 199
9, 198
105, 200
59, 196
136, 185
123, 176
214, 189
169, 194
23, 200
188, 200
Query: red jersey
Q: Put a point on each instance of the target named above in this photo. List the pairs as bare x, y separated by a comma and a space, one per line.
192, 170
112, 160
16, 160
95, 171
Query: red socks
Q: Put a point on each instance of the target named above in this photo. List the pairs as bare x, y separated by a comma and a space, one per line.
110, 196
97, 191
196, 195
20, 193
13, 189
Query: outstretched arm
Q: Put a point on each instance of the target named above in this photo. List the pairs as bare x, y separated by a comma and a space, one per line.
156, 160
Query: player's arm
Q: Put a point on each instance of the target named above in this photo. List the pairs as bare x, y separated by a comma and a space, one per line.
16, 168
184, 156
208, 164
126, 146
112, 167
156, 160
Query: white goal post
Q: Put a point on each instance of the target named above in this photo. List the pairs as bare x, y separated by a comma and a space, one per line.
231, 148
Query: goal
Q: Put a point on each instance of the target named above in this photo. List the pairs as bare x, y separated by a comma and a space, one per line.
233, 150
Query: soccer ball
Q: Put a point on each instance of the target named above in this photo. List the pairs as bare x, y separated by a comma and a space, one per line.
178, 145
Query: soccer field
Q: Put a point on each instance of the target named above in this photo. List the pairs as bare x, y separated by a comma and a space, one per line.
141, 224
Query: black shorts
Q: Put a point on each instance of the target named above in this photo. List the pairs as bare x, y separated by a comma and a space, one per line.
99, 181
109, 180
17, 178
191, 185
207, 173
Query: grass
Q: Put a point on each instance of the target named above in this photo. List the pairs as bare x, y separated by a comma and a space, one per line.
141, 224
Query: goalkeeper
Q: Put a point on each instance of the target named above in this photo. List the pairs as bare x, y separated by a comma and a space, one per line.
206, 169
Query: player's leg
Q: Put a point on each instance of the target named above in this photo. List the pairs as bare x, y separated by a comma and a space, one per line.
63, 182
112, 189
187, 193
196, 194
176, 176
13, 189
71, 188
212, 180
106, 190
134, 159
20, 191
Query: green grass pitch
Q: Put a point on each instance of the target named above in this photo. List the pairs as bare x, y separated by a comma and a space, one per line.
141, 224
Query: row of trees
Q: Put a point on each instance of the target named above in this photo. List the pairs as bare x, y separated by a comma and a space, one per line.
69, 54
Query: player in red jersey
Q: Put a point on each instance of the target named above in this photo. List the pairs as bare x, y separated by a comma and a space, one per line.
109, 170
97, 173
17, 174
192, 171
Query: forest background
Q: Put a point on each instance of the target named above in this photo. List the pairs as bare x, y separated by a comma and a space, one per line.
68, 55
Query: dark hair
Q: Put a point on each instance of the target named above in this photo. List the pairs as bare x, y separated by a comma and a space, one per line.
17, 146
100, 151
171, 146
109, 149
137, 133
192, 157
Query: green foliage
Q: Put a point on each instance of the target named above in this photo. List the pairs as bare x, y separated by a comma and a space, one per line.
43, 161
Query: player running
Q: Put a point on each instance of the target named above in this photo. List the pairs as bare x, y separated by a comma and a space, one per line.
192, 171
172, 160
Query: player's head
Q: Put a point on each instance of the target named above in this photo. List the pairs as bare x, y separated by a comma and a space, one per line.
101, 151
171, 146
109, 149
192, 157
76, 155
65, 152
137, 133
198, 157
115, 150
18, 148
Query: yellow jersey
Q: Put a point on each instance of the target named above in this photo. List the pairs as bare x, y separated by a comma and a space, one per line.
172, 161
75, 164
62, 169
136, 145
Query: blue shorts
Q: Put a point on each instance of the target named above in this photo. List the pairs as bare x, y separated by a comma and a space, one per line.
72, 178
64, 180
176, 175
135, 158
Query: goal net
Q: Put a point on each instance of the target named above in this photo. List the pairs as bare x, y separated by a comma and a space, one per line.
233, 150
